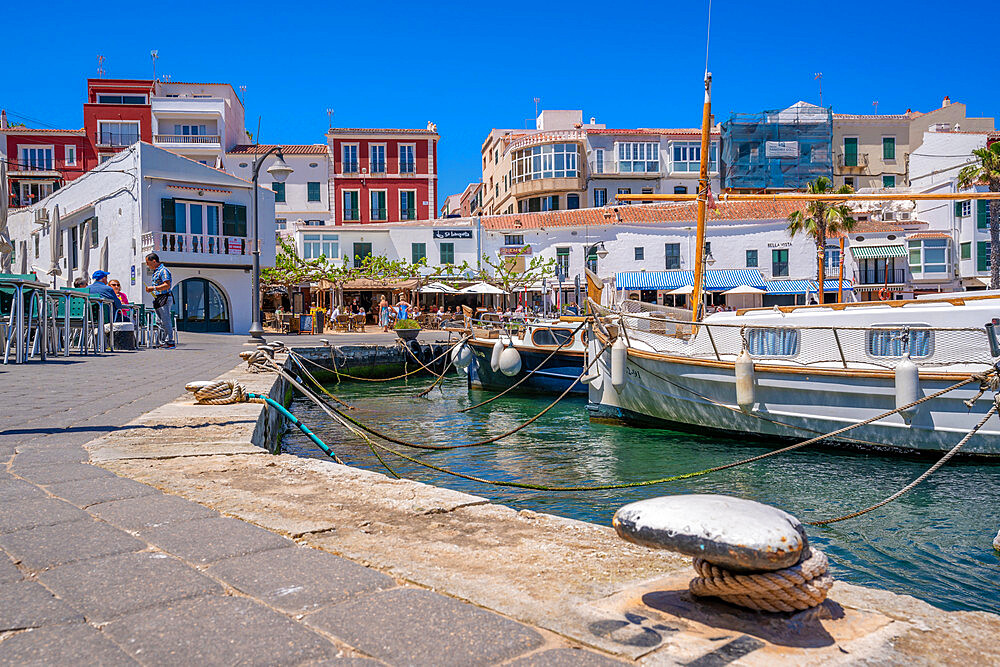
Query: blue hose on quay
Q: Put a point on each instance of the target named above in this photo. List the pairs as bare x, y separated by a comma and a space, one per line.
295, 420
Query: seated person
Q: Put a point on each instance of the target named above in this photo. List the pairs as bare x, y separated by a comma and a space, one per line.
101, 288
80, 282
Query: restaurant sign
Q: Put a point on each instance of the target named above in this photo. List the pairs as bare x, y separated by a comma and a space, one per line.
514, 251
453, 233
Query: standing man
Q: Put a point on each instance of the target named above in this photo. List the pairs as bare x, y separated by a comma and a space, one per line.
162, 299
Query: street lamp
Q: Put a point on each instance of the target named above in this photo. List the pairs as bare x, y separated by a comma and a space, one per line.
279, 171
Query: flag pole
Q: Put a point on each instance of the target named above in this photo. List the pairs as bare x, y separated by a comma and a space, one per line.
703, 190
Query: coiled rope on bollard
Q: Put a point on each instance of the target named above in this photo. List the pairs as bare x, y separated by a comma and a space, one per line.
219, 392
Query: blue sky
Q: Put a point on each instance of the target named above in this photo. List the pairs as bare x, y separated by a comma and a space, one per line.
473, 66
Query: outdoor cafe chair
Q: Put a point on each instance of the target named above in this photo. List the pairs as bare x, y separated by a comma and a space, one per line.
359, 322
23, 308
342, 323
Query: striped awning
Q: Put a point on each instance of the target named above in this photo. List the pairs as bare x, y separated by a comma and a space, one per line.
878, 251
789, 286
831, 285
716, 280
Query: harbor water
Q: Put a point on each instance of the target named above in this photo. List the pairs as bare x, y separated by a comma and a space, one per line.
933, 543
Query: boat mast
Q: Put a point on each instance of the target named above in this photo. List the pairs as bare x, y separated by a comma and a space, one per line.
703, 190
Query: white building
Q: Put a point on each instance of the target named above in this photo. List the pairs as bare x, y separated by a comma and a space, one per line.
303, 200
145, 199
197, 120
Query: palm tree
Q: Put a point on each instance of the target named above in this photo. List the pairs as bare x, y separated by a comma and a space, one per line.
820, 219
985, 170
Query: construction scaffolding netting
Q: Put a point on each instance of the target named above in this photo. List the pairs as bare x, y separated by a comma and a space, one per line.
782, 149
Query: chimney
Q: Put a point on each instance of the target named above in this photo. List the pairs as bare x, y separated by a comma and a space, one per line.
946, 102
3, 119
593, 120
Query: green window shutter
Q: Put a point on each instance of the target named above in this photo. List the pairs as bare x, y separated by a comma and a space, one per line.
958, 209
234, 220
313, 191
167, 215
447, 253
967, 250
983, 256
888, 148
279, 192
982, 215
850, 152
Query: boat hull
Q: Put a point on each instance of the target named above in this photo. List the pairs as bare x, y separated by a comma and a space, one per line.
554, 377
790, 406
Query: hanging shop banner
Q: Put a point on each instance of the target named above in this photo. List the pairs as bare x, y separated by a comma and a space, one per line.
513, 251
453, 233
781, 149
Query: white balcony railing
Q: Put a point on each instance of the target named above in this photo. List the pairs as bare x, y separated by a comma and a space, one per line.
547, 137
187, 139
200, 244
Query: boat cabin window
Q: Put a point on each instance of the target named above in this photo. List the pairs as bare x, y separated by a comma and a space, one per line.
551, 337
773, 342
888, 342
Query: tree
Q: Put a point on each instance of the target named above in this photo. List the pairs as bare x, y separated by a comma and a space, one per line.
503, 271
985, 170
820, 219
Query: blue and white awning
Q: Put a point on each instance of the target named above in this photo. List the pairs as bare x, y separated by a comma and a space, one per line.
831, 285
718, 280
789, 286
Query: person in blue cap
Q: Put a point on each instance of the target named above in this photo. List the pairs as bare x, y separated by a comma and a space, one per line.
101, 288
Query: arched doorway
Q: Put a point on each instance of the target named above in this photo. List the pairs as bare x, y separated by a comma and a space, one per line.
200, 306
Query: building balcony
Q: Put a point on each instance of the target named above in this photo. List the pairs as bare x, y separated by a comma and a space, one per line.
197, 248
880, 277
547, 137
117, 140
541, 186
852, 163
189, 140
33, 171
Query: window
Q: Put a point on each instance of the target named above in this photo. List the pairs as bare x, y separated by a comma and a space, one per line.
983, 256
408, 204
350, 159
33, 192
95, 236
963, 209
680, 190
418, 252
37, 244
314, 223
551, 337
967, 250
773, 342
599, 161
121, 99
378, 211
70, 156
625, 191
376, 158
850, 151
546, 161
37, 158
190, 130
316, 245
513, 239
638, 157
640, 253
831, 259
600, 196
779, 263
117, 134
897, 342
685, 156
104, 157
888, 148
572, 201
982, 214
279, 192
351, 211
312, 191
751, 259
888, 181
281, 223
562, 261
407, 159
647, 191
928, 255
849, 182
447, 251
672, 252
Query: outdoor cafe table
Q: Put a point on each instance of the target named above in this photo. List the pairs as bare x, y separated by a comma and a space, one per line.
25, 288
66, 304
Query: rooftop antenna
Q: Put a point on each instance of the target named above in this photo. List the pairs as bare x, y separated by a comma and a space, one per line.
875, 104
818, 76
154, 54
329, 118
243, 93
100, 67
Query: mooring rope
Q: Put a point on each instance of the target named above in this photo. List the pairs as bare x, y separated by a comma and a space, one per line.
437, 379
317, 382
801, 586
354, 377
531, 372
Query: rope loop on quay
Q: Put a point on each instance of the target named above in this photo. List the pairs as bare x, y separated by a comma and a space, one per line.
796, 588
220, 392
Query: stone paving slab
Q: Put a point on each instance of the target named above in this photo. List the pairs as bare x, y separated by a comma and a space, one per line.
567, 657
9, 571
37, 512
56, 473
34, 456
213, 630
299, 579
158, 509
87, 492
62, 645
213, 538
12, 490
421, 627
27, 604
108, 587
47, 546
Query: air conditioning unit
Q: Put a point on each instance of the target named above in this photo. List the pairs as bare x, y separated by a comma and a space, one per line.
904, 215
41, 216
888, 216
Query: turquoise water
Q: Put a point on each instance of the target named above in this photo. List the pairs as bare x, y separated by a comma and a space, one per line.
934, 543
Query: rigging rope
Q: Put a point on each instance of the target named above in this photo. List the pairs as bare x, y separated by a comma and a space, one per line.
333, 360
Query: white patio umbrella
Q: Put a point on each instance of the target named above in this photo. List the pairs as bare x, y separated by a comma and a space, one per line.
482, 288
6, 248
744, 289
85, 251
743, 296
682, 290
54, 245
105, 257
437, 288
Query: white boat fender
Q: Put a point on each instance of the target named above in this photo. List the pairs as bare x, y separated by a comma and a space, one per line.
907, 387
590, 377
619, 356
745, 381
495, 357
510, 361
461, 356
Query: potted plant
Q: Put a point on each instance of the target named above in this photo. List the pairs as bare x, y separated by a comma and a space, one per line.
407, 329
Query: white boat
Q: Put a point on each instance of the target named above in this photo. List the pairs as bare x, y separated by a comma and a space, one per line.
815, 369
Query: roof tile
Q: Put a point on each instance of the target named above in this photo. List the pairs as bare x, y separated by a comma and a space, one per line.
291, 149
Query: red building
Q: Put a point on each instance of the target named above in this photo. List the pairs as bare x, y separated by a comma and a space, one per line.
40, 161
117, 114
383, 175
